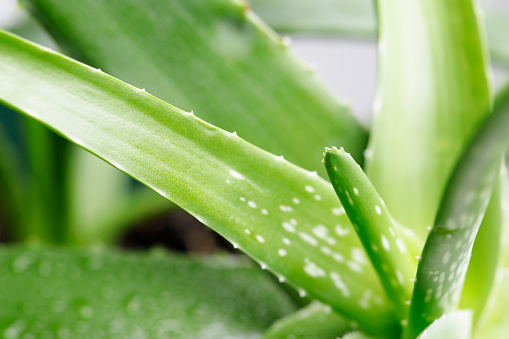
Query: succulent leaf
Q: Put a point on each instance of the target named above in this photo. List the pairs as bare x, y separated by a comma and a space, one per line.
211, 57
446, 255
374, 225
429, 105
78, 293
300, 233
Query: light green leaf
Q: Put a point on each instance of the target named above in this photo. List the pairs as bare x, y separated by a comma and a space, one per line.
196, 53
497, 326
487, 258
433, 94
315, 321
456, 325
285, 217
358, 335
375, 226
446, 255
102, 294
355, 18
103, 202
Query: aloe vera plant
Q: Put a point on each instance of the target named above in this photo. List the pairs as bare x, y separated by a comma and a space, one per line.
401, 237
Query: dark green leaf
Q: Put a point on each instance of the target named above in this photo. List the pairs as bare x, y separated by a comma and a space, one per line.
214, 57
63, 293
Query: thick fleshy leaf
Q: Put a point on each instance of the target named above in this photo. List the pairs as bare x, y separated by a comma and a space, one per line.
214, 57
313, 321
433, 94
446, 255
11, 186
67, 293
456, 325
375, 226
487, 258
285, 217
355, 18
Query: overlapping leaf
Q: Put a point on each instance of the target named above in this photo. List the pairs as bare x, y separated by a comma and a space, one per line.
285, 217
375, 226
433, 94
63, 293
214, 57
447, 252
313, 321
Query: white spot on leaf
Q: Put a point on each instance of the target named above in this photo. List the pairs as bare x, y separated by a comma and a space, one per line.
237, 175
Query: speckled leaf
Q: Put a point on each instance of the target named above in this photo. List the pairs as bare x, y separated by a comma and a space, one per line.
446, 255
214, 57
376, 228
487, 259
313, 321
456, 325
64, 293
285, 217
433, 94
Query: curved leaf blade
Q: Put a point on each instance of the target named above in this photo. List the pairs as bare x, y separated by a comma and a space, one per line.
104, 294
195, 54
446, 254
429, 104
375, 226
456, 325
281, 215
313, 321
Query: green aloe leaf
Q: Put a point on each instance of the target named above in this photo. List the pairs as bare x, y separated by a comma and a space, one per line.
375, 226
313, 321
446, 255
433, 94
455, 325
300, 233
194, 54
64, 293
355, 18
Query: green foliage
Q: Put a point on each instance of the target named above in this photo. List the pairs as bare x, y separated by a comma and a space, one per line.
434, 157
100, 293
